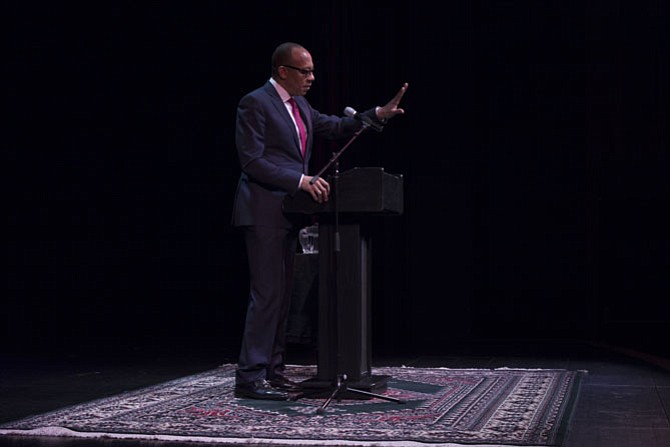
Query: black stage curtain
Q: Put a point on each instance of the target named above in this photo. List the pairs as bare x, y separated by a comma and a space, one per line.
533, 154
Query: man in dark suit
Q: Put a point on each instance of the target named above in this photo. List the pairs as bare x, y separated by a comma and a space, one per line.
275, 131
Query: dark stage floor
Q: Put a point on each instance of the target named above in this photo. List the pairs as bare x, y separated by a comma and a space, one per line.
624, 399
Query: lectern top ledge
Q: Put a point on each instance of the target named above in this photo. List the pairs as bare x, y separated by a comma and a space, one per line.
368, 190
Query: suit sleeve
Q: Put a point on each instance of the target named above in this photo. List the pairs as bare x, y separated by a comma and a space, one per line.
334, 127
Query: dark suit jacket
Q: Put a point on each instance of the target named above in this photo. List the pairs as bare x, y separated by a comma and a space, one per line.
268, 148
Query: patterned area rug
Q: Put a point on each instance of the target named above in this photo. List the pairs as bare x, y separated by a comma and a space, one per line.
448, 406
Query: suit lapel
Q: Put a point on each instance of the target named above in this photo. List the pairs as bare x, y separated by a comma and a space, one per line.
283, 111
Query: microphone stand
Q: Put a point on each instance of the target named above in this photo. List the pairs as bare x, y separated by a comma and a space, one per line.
341, 379
334, 161
337, 154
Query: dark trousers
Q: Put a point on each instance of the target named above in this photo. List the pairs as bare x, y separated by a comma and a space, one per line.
271, 254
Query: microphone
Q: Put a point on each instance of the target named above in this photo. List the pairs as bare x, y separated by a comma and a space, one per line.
352, 113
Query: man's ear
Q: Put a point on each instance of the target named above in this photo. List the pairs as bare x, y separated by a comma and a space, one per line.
281, 72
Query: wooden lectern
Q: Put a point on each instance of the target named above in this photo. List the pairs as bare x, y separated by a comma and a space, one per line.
357, 197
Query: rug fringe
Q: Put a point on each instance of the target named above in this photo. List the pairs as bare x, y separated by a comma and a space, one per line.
62, 432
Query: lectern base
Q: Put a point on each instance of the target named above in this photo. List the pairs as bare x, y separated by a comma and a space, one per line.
323, 388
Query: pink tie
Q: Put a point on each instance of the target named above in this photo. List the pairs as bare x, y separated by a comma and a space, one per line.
301, 126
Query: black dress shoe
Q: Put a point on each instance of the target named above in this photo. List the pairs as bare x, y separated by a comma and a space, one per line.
260, 389
283, 383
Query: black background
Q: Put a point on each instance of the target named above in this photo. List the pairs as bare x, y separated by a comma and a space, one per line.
534, 153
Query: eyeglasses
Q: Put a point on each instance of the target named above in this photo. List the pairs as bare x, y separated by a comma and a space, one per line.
303, 71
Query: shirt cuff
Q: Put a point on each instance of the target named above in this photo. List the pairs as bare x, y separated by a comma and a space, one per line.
383, 121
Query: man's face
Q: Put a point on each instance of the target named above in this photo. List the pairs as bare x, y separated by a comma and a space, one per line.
298, 76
